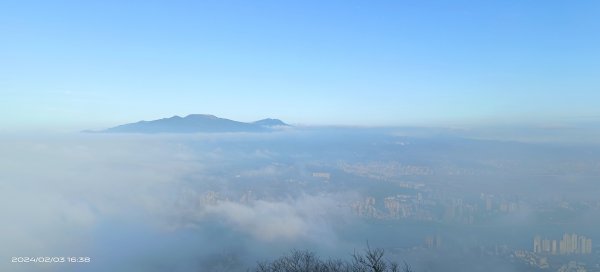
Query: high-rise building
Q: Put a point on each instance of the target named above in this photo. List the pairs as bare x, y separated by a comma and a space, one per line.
537, 244
433, 241
570, 244
588, 246
581, 245
546, 246
574, 245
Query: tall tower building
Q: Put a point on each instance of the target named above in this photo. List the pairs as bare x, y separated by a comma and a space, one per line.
581, 244
573, 243
546, 245
562, 246
537, 244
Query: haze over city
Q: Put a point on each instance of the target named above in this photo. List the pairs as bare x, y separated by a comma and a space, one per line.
260, 135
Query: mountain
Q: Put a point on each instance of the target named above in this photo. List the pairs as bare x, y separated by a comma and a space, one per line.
270, 123
195, 123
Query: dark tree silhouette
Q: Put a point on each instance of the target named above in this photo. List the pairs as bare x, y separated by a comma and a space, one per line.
305, 261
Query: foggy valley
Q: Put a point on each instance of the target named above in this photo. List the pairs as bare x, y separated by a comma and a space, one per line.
299, 136
225, 201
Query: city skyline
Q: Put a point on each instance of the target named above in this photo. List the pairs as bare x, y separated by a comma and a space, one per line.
569, 244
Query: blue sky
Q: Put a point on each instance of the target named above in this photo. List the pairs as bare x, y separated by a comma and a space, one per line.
90, 64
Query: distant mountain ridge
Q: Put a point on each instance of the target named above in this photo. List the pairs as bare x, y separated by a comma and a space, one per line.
194, 123
270, 122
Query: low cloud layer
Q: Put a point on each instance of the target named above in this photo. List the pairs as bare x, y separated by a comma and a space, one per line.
70, 195
222, 202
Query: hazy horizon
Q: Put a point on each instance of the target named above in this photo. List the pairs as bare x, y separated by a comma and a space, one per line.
453, 135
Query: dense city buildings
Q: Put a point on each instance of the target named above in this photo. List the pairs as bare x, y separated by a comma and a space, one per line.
570, 244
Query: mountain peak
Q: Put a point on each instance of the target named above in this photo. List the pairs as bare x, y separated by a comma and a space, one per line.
270, 122
207, 116
195, 123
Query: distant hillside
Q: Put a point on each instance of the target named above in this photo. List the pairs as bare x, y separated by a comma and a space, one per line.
195, 123
270, 122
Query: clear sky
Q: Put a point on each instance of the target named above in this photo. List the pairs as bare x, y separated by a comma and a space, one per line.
90, 64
